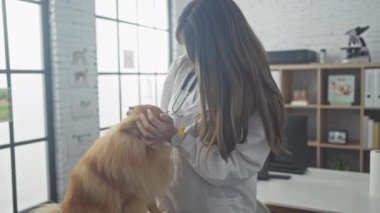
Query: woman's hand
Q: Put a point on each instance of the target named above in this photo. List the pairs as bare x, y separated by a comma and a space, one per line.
154, 128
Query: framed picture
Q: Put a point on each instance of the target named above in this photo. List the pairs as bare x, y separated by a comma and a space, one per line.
129, 59
341, 89
4, 105
337, 137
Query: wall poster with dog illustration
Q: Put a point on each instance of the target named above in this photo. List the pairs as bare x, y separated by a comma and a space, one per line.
341, 89
82, 106
78, 142
80, 77
79, 68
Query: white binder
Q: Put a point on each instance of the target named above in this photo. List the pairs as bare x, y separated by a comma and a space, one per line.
377, 88
277, 78
369, 90
365, 125
370, 134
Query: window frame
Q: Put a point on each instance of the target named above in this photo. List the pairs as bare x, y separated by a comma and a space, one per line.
46, 73
138, 73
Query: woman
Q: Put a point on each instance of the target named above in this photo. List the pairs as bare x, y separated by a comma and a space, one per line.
225, 81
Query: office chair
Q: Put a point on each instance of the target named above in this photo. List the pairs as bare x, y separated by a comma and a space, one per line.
262, 208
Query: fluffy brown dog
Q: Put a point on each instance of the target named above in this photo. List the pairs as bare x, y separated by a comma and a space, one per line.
120, 173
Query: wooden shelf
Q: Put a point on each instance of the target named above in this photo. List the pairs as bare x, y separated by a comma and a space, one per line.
314, 106
315, 66
312, 143
368, 150
310, 106
323, 117
338, 146
372, 108
340, 107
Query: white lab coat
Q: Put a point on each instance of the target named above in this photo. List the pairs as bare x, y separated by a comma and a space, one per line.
212, 185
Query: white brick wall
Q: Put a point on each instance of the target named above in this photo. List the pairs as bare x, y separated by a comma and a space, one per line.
177, 7
75, 83
280, 24
310, 24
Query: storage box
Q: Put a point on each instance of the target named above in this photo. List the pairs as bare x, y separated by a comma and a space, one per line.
292, 57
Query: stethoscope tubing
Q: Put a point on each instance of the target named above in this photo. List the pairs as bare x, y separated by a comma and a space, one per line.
183, 92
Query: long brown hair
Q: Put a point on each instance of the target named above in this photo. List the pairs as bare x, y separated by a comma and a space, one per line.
234, 75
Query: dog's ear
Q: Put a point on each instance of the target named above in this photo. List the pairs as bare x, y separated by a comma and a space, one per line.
143, 109
129, 122
156, 111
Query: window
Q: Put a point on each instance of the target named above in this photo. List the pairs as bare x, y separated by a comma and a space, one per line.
24, 101
132, 55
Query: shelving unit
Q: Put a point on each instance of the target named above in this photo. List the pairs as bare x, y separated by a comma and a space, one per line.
323, 117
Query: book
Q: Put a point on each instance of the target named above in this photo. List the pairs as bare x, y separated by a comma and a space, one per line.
365, 144
378, 139
277, 78
369, 88
377, 88
370, 134
376, 129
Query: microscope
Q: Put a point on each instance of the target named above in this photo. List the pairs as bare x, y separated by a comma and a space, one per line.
357, 50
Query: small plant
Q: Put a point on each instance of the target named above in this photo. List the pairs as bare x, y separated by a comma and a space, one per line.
4, 105
339, 164
3, 94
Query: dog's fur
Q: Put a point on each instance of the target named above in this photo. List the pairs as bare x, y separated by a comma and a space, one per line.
120, 173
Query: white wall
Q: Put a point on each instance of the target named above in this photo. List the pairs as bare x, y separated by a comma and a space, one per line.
75, 100
309, 24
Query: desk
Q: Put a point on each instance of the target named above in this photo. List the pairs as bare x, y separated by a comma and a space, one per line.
321, 190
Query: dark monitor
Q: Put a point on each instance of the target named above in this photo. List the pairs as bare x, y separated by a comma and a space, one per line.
264, 173
295, 142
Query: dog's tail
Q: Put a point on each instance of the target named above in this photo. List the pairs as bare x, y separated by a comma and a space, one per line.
49, 208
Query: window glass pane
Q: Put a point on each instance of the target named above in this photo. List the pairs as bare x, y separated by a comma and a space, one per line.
148, 89
109, 103
103, 132
147, 50
128, 47
4, 111
31, 170
161, 13
129, 91
24, 35
106, 41
28, 106
128, 10
160, 85
6, 204
162, 51
106, 8
4, 133
145, 10
2, 47
153, 50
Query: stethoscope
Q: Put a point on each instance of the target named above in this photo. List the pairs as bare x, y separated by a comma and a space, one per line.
184, 92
